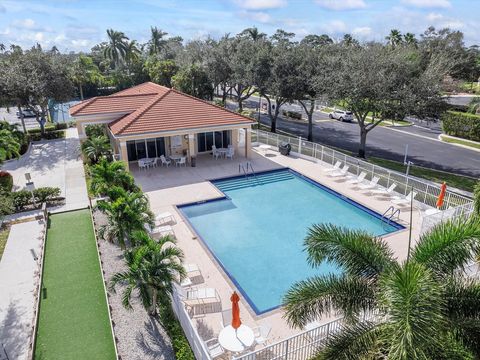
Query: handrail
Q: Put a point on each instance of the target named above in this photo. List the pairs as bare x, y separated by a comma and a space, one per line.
253, 171
392, 215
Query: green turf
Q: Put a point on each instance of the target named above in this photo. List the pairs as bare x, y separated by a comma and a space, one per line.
73, 322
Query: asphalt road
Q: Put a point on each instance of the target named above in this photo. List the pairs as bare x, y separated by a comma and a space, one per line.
424, 149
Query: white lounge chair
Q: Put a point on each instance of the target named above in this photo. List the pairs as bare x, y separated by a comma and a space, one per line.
357, 179
340, 173
398, 200
161, 231
165, 161
384, 192
226, 318
200, 298
164, 218
214, 348
194, 275
370, 185
334, 168
261, 334
181, 161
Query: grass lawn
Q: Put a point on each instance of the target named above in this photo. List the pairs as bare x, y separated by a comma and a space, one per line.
457, 181
4, 231
461, 142
73, 321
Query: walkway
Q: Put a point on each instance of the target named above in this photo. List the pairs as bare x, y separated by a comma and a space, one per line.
18, 278
54, 163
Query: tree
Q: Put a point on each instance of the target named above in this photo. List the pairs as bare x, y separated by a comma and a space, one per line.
315, 41
9, 145
157, 42
253, 34
152, 269
425, 307
161, 71
217, 64
108, 174
474, 105
96, 148
410, 39
116, 48
194, 81
132, 52
349, 40
126, 212
84, 71
394, 38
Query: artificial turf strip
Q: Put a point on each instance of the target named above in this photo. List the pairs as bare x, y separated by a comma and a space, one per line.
73, 319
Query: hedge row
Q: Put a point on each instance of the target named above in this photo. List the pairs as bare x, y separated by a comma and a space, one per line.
460, 124
23, 198
49, 135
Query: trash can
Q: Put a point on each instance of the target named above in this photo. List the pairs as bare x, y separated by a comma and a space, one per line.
193, 161
284, 148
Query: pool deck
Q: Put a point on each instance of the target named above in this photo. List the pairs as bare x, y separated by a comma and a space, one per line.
168, 187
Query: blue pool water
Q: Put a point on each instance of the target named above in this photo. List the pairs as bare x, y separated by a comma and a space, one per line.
256, 233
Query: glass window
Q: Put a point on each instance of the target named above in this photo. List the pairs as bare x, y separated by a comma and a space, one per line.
209, 137
218, 139
226, 138
141, 149
201, 142
160, 146
131, 151
151, 148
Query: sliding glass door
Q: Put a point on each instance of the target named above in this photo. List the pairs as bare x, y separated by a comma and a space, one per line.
221, 139
147, 148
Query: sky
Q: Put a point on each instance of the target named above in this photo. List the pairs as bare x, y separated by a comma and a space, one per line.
73, 25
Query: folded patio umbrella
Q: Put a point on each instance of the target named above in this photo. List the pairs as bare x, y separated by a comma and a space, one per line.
236, 322
441, 197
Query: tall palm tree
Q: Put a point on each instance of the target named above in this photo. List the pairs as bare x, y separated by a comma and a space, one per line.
132, 53
96, 148
2, 47
426, 307
126, 212
410, 39
116, 48
394, 38
157, 42
84, 71
152, 269
349, 40
253, 34
106, 175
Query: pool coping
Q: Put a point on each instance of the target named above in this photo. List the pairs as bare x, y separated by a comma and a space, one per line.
224, 196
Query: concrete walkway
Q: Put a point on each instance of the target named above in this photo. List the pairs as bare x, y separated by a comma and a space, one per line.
19, 276
54, 163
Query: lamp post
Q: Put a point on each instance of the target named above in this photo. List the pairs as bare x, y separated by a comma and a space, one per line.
30, 186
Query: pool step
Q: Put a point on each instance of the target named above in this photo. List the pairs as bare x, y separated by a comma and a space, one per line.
260, 179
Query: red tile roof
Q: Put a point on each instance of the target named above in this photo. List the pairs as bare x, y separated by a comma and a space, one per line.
155, 108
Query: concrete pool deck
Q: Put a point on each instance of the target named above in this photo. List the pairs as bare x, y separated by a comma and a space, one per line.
168, 187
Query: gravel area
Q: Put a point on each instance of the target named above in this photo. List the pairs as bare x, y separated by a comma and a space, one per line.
138, 335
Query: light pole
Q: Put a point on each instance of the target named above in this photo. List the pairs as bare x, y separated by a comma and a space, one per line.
30, 186
405, 162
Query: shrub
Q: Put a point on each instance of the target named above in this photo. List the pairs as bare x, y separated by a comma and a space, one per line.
48, 128
180, 344
95, 130
292, 114
462, 125
56, 134
6, 181
61, 126
45, 194
6, 204
21, 199
476, 198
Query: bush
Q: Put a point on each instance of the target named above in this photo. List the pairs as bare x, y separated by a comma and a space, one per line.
61, 126
95, 130
55, 134
23, 198
292, 114
6, 181
464, 125
48, 128
180, 344
6, 204
45, 194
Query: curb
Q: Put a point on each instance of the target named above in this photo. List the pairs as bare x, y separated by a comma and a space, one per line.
459, 145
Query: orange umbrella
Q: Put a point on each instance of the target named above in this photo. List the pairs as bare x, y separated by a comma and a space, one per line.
443, 190
236, 322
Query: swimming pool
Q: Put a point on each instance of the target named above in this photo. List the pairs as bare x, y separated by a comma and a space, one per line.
256, 232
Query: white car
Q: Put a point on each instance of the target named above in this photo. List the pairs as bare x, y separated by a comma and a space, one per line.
341, 115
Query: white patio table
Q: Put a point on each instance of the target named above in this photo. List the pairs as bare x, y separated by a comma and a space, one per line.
146, 161
236, 340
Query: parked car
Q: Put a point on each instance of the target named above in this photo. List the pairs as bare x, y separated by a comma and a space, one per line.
341, 115
27, 113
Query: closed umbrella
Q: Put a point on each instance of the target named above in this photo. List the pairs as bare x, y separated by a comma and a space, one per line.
441, 197
236, 322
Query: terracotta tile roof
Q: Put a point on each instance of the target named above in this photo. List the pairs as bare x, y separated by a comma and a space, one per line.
174, 110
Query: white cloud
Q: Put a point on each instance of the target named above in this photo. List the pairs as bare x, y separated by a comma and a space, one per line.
434, 17
25, 23
362, 31
261, 4
257, 16
428, 3
333, 27
342, 4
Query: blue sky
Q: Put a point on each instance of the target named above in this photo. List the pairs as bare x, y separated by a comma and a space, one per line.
78, 25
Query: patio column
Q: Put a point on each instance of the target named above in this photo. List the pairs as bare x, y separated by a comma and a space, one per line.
234, 140
124, 153
81, 132
248, 142
192, 146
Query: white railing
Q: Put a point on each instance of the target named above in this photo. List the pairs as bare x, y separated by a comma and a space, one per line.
196, 343
427, 192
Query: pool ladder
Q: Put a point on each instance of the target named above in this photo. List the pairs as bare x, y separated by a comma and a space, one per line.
390, 213
244, 168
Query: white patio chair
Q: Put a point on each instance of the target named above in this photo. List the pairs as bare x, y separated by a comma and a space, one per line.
357, 179
340, 173
194, 275
154, 162
226, 318
181, 161
215, 153
164, 218
230, 152
403, 200
165, 161
334, 168
261, 334
161, 231
200, 298
383, 191
214, 348
142, 165
370, 185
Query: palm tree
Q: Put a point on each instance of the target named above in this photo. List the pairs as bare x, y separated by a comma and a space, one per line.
9, 145
156, 43
395, 37
84, 71
116, 48
349, 40
132, 53
426, 307
410, 39
126, 212
152, 269
2, 47
96, 148
106, 174
253, 34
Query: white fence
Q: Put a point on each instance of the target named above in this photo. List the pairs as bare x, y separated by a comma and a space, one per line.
427, 193
196, 343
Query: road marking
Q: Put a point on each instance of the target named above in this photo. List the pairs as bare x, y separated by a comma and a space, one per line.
417, 135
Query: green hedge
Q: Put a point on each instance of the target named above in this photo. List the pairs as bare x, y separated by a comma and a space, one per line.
49, 135
180, 344
460, 124
292, 114
23, 198
6, 181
